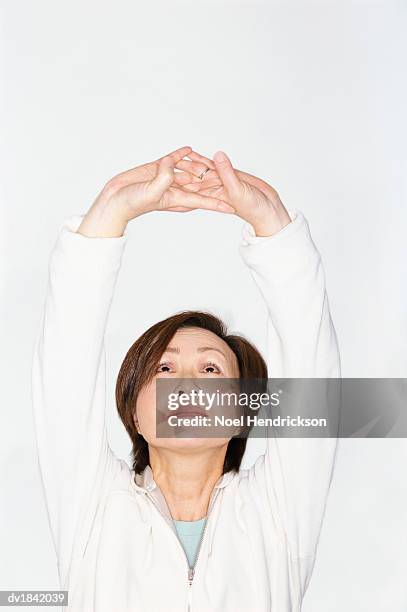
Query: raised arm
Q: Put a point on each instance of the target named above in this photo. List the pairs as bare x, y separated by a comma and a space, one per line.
292, 478
68, 379
68, 374
294, 475
287, 268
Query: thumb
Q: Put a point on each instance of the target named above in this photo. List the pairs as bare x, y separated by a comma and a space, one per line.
226, 173
164, 178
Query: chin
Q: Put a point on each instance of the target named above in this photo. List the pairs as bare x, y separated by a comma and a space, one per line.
194, 443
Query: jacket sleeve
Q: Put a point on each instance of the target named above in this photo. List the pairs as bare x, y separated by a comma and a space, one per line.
292, 478
68, 385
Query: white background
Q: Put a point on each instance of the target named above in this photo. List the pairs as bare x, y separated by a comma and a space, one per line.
309, 96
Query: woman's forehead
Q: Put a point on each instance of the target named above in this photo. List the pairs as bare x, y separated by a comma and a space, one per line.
199, 340
195, 336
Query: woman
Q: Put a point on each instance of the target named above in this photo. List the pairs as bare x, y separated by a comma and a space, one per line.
119, 532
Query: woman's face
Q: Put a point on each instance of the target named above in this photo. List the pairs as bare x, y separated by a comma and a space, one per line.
192, 353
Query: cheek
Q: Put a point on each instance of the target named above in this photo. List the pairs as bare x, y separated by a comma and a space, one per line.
145, 410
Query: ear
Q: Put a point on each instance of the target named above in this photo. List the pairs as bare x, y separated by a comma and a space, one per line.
135, 421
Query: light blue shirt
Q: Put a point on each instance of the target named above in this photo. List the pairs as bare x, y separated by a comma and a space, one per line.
190, 532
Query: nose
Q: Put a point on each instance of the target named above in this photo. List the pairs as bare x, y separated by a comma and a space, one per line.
184, 386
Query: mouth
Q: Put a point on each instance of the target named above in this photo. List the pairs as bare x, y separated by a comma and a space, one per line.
183, 411
190, 411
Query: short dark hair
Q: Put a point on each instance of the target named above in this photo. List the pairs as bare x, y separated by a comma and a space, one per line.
140, 365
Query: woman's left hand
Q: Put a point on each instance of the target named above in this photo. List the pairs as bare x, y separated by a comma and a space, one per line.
253, 199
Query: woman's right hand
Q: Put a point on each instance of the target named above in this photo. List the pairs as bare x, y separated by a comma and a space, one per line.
153, 186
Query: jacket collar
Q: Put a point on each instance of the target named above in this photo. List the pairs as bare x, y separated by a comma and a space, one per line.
145, 481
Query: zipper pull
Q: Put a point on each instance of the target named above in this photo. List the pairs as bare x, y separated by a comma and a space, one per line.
190, 579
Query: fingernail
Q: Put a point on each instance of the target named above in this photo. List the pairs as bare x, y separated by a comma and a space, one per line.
219, 156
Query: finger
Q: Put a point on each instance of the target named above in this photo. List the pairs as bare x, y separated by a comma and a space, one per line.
183, 178
210, 193
179, 197
179, 209
195, 168
207, 184
202, 159
202, 186
177, 154
206, 160
191, 186
226, 172
164, 178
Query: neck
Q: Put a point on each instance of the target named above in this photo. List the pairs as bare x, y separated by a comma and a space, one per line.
187, 479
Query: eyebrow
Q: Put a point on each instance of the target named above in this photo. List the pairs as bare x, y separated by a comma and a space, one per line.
200, 349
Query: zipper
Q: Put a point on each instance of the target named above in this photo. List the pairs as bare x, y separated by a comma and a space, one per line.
191, 570
202, 537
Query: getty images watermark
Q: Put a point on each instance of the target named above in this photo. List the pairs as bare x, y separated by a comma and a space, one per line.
284, 407
192, 409
234, 407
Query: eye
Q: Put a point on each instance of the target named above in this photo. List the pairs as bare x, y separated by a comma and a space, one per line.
164, 367
211, 368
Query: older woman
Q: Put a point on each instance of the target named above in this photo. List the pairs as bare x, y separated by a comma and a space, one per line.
185, 528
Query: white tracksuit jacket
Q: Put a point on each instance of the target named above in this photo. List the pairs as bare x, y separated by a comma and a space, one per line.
116, 550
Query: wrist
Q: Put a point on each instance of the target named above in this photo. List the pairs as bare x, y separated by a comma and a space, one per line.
273, 219
104, 219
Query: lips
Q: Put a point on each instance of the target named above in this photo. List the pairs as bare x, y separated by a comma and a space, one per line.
190, 411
